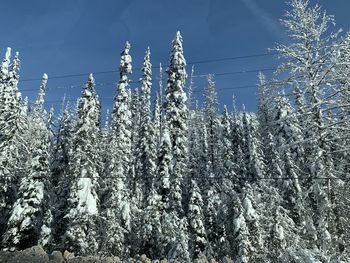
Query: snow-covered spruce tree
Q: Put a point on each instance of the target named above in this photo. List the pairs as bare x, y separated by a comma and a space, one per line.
13, 124
160, 119
145, 155
157, 120
30, 218
164, 168
227, 154
83, 203
190, 90
197, 233
117, 172
60, 176
279, 230
146, 164
263, 114
195, 148
212, 123
175, 234
286, 128
158, 202
242, 245
176, 114
135, 109
151, 231
247, 227
252, 149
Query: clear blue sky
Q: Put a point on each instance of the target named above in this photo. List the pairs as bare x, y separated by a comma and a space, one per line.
81, 36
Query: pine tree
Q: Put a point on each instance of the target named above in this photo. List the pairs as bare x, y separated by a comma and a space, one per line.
83, 222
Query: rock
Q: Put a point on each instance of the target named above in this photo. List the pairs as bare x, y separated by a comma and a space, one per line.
34, 254
67, 255
89, 259
56, 256
114, 259
227, 260
36, 251
201, 259
145, 259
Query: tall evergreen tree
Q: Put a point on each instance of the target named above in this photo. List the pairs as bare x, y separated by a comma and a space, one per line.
60, 176
13, 124
176, 119
26, 223
212, 123
146, 165
83, 221
118, 167
197, 233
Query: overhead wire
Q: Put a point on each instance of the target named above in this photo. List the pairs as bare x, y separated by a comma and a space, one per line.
157, 67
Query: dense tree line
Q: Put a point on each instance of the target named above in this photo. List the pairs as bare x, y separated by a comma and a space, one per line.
181, 181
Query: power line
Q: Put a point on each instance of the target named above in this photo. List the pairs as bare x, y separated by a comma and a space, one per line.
237, 72
157, 67
138, 81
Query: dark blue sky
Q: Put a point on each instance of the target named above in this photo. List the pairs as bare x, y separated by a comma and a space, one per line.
82, 36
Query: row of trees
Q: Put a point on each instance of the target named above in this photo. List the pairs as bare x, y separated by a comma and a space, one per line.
182, 181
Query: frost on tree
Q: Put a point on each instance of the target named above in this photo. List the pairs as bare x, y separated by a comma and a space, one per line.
30, 218
310, 59
81, 233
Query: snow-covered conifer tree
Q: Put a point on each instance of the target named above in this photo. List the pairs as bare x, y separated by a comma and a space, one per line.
176, 119
146, 164
118, 167
13, 125
27, 223
83, 202
227, 157
60, 176
212, 123
197, 233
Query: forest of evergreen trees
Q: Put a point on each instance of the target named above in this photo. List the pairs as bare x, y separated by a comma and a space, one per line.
172, 179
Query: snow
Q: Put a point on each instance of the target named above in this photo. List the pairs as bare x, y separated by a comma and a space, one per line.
250, 213
87, 201
6, 62
238, 223
279, 232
